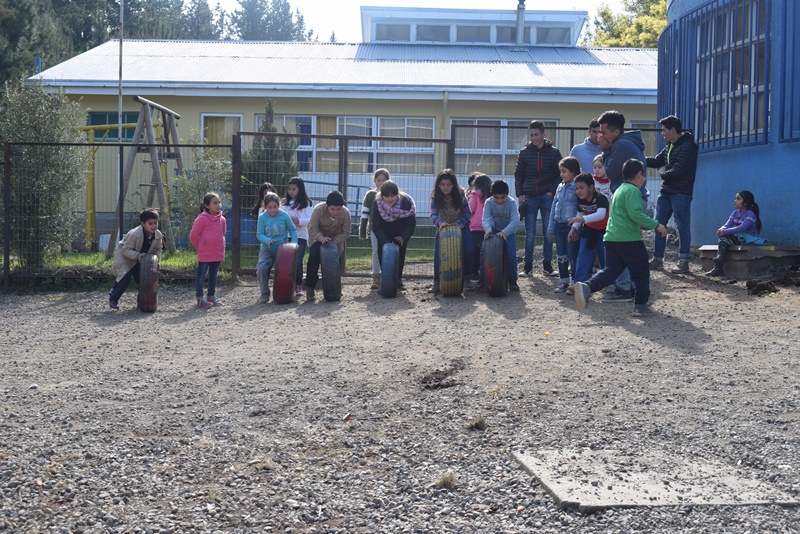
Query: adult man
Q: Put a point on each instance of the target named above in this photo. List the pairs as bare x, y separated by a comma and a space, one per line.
677, 165
535, 180
618, 147
586, 151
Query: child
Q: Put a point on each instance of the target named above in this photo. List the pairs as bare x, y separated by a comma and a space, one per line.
263, 189
365, 227
565, 205
743, 227
501, 218
481, 190
274, 227
208, 238
330, 223
394, 220
140, 241
449, 206
593, 215
623, 242
297, 204
601, 182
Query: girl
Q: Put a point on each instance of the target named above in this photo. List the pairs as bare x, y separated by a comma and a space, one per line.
380, 177
393, 220
565, 205
208, 237
481, 185
258, 209
449, 206
298, 205
602, 183
593, 216
274, 227
743, 227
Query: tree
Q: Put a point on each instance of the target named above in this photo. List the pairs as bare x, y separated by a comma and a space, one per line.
638, 27
200, 22
45, 179
155, 19
332, 38
268, 20
271, 159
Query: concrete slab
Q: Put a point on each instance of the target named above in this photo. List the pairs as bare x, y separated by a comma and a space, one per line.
592, 480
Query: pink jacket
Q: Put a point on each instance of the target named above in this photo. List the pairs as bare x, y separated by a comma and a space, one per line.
476, 207
208, 237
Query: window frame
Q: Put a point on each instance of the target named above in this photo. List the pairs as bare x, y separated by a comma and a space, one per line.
127, 133
203, 117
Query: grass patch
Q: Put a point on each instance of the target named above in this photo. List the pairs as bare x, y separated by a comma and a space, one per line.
447, 481
479, 423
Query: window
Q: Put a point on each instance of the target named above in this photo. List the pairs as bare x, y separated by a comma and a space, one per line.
553, 36
361, 126
219, 130
508, 34
437, 34
731, 70
790, 83
405, 156
473, 34
392, 32
110, 118
296, 124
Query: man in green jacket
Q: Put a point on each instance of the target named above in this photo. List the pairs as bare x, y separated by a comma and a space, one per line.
623, 242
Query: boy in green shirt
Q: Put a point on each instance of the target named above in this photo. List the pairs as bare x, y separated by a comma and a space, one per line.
623, 242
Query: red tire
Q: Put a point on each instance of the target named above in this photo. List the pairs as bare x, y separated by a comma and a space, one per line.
285, 272
147, 300
495, 265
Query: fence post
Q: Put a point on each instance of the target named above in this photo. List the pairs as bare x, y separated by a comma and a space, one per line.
236, 205
6, 215
450, 158
344, 146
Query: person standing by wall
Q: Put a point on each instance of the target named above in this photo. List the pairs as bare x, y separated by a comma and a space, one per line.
677, 165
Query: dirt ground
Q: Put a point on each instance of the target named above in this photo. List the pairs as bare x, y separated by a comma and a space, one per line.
344, 416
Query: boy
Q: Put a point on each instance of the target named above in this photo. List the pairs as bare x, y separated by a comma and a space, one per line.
500, 218
274, 226
623, 242
330, 223
142, 240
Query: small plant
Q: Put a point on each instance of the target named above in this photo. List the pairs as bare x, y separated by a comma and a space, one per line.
494, 392
266, 465
447, 480
479, 423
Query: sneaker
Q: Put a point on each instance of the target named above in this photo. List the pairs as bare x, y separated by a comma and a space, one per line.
264, 298
571, 289
214, 300
656, 264
561, 288
642, 310
512, 286
310, 293
681, 268
113, 303
480, 285
619, 295
582, 294
527, 269
547, 268
298, 290
400, 285
434, 289
203, 303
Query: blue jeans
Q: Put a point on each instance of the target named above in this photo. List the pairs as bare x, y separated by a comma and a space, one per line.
625, 255
466, 253
566, 250
266, 260
301, 252
538, 205
679, 206
586, 257
212, 267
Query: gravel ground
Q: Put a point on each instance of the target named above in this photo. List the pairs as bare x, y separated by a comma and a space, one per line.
349, 416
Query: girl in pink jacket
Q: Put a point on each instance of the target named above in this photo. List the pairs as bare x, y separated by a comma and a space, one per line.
208, 237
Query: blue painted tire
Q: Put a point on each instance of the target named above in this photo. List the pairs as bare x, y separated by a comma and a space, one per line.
495, 266
331, 272
147, 299
451, 269
285, 272
390, 270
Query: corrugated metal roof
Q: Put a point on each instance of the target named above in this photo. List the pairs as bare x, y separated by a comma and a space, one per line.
369, 66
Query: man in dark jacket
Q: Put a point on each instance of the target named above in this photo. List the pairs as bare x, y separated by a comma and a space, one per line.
677, 164
535, 181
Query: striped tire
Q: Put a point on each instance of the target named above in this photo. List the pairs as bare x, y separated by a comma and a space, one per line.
331, 272
451, 271
390, 270
495, 266
147, 300
285, 272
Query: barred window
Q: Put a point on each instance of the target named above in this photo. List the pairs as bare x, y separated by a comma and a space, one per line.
790, 83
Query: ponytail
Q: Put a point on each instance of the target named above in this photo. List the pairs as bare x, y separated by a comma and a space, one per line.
754, 209
750, 201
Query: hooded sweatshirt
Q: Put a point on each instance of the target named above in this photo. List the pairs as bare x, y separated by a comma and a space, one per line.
585, 153
629, 145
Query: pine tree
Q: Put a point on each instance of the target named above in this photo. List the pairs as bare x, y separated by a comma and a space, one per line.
271, 159
200, 21
639, 27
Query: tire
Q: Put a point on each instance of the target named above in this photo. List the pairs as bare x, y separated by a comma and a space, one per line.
451, 271
390, 270
495, 266
285, 272
331, 272
147, 300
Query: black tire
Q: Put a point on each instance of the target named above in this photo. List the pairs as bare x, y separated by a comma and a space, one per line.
147, 300
495, 266
390, 270
451, 258
285, 272
331, 272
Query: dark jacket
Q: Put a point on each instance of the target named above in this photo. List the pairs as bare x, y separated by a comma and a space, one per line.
386, 231
537, 170
628, 145
680, 159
